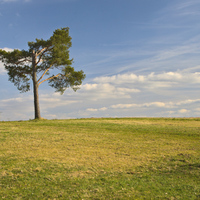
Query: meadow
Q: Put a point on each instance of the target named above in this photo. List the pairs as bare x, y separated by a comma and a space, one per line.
105, 158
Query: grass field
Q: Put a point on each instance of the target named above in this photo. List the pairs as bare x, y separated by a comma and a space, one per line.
128, 158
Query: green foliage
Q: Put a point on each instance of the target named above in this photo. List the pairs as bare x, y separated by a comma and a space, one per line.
14, 57
67, 78
18, 70
100, 159
19, 76
50, 54
61, 42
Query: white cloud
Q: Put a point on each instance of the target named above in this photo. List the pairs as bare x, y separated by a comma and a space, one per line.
105, 90
18, 100
170, 112
20, 107
152, 80
55, 100
131, 93
96, 109
182, 111
89, 86
92, 109
144, 105
157, 104
188, 101
7, 49
166, 105
97, 99
122, 106
127, 90
120, 78
103, 109
120, 94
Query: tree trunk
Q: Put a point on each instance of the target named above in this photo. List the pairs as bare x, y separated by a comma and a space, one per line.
35, 87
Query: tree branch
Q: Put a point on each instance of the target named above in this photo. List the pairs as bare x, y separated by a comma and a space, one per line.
49, 79
41, 51
39, 59
43, 74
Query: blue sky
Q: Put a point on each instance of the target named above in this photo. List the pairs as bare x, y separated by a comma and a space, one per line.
141, 58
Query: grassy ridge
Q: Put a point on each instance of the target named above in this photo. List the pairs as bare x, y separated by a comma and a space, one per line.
100, 159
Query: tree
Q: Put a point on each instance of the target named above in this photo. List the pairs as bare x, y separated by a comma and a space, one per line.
42, 57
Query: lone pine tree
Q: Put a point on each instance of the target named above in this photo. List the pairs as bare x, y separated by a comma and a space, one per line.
43, 55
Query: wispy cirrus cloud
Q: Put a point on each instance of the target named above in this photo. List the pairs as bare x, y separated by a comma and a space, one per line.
186, 8
181, 12
163, 53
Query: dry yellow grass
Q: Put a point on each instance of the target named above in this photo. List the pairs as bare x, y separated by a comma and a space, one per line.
86, 145
142, 156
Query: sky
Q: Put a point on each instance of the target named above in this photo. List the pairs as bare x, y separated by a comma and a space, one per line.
141, 58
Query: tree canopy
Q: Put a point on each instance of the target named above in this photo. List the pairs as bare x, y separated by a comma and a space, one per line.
48, 58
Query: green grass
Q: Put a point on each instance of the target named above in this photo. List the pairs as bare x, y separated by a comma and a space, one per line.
128, 158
